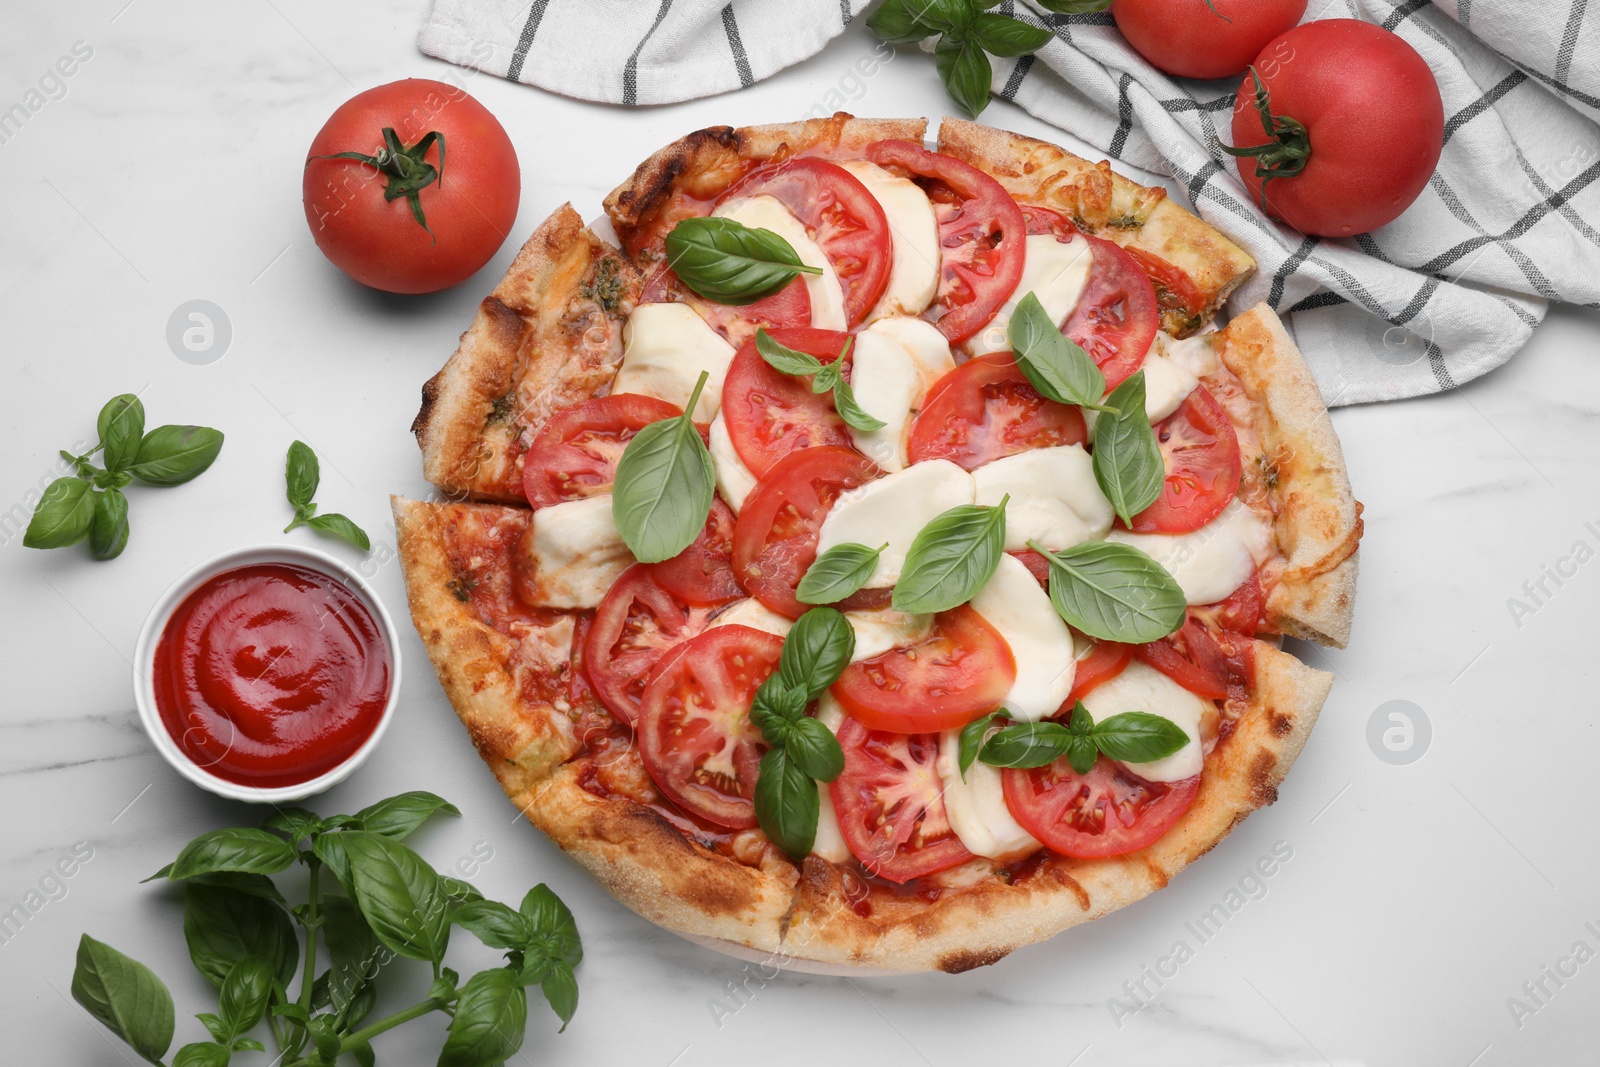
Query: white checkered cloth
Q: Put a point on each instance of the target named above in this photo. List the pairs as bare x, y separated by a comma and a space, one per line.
1452, 288
634, 51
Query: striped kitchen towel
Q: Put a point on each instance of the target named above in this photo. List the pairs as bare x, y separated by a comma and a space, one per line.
1452, 288
634, 51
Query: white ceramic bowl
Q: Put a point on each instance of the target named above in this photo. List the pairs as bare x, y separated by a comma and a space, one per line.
144, 659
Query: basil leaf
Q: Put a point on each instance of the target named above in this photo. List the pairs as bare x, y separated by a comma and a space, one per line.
948, 16
1074, 7
664, 487
1027, 744
491, 922
1127, 459
329, 848
827, 378
1053, 363
784, 359
354, 956
249, 1044
301, 473
234, 849
108, 530
121, 428
489, 1021
63, 515
965, 71
255, 885
172, 455
787, 803
341, 527
730, 263
553, 930
972, 737
815, 750
294, 823
125, 996
214, 1026
1138, 737
1114, 592
851, 411
1081, 724
223, 925
1002, 36
244, 995
398, 815
202, 1054
816, 652
325, 1035
459, 891
837, 573
400, 895
899, 22
560, 989
775, 707
951, 558
1082, 754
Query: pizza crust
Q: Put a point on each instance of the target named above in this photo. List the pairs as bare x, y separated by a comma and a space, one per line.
1318, 519
1106, 204
548, 336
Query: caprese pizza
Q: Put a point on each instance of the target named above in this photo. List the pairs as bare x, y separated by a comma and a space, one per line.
879, 557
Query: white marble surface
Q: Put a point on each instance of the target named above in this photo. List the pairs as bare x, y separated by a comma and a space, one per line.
1418, 900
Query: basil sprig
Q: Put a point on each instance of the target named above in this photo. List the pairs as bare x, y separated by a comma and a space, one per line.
370, 898
837, 573
968, 35
804, 751
730, 263
1113, 592
952, 558
1131, 737
302, 474
91, 504
665, 486
971, 738
825, 378
1055, 364
1127, 459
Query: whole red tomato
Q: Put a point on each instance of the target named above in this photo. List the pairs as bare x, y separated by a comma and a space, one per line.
1203, 38
1356, 121
410, 187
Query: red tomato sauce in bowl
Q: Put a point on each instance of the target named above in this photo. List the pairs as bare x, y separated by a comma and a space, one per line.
271, 674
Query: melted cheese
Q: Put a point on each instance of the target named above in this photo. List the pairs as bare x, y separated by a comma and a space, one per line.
1015, 605
1197, 354
879, 631
894, 509
1055, 499
734, 479
914, 232
768, 213
665, 348
922, 340
1167, 383
1143, 688
1055, 272
976, 805
1212, 561
888, 385
754, 614
829, 843
574, 552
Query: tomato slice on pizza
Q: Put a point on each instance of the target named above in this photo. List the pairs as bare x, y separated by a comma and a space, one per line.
985, 410
771, 414
1108, 812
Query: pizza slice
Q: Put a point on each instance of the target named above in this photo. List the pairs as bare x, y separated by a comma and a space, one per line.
613, 698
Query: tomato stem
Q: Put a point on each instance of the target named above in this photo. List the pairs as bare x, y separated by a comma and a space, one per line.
407, 171
1288, 145
1212, 5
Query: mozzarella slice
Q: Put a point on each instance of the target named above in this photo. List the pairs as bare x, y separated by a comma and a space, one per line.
1015, 605
1211, 562
734, 479
665, 348
1055, 499
894, 509
1143, 688
768, 213
1167, 383
923, 342
1197, 354
829, 843
754, 614
573, 552
888, 385
1055, 272
879, 631
914, 230
976, 805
